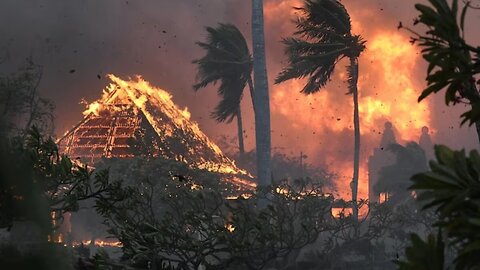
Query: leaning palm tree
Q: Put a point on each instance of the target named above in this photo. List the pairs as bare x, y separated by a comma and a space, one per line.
262, 101
322, 39
229, 62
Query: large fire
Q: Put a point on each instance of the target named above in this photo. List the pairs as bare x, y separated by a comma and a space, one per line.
322, 124
139, 92
128, 109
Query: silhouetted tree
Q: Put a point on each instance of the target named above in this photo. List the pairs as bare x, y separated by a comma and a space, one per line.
227, 60
186, 225
324, 38
451, 188
21, 105
453, 62
261, 96
37, 180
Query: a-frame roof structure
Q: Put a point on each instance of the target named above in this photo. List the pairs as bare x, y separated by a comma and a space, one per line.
134, 118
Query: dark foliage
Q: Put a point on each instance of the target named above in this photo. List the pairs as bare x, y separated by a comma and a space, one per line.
37, 180
323, 38
424, 255
229, 62
453, 63
186, 225
394, 179
21, 105
452, 189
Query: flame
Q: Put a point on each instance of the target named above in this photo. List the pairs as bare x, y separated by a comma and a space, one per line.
94, 108
99, 243
196, 187
282, 190
338, 212
383, 197
323, 122
321, 125
186, 113
230, 227
236, 197
156, 103
395, 60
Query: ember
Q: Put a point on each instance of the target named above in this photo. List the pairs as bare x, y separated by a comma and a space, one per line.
98, 243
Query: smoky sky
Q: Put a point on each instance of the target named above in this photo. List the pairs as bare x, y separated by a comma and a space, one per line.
156, 39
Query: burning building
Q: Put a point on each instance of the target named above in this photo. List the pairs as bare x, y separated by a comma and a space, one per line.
134, 118
383, 157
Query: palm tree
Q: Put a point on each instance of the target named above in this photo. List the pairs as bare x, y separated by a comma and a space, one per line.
261, 97
323, 38
227, 60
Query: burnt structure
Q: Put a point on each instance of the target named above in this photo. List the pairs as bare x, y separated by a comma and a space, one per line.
381, 157
426, 143
134, 118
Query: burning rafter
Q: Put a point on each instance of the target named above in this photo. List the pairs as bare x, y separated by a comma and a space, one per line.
134, 118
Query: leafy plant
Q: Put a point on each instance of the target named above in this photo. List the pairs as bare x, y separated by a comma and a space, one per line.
21, 105
322, 39
424, 255
228, 61
37, 180
185, 224
452, 188
452, 62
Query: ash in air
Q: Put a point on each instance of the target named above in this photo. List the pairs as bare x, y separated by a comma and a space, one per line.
230, 134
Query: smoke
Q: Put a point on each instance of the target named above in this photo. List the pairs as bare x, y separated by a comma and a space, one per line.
75, 41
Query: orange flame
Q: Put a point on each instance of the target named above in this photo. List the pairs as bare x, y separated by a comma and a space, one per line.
338, 212
148, 99
387, 92
99, 243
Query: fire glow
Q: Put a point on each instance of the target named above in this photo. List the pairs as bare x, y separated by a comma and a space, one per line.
323, 122
122, 107
321, 125
98, 243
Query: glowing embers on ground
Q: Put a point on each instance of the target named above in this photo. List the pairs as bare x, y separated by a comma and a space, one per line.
341, 212
98, 243
135, 118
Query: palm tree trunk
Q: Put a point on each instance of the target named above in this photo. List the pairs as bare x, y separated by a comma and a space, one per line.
474, 98
477, 128
252, 92
356, 124
241, 145
262, 102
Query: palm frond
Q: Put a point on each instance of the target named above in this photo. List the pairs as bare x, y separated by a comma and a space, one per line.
311, 31
329, 14
322, 39
227, 61
232, 93
319, 79
295, 46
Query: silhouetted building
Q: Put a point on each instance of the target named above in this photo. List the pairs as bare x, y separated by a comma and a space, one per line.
381, 157
426, 143
388, 136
